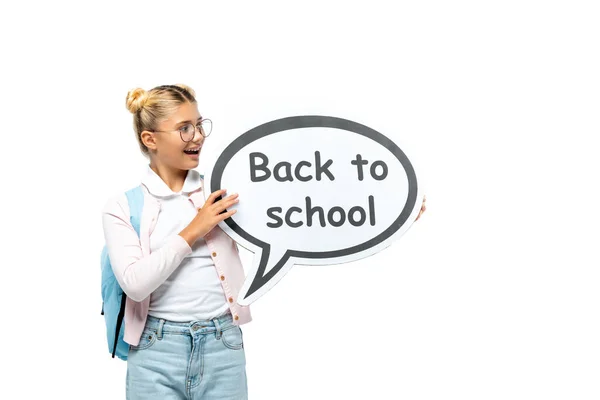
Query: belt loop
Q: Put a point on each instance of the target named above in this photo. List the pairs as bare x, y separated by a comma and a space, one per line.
218, 327
159, 330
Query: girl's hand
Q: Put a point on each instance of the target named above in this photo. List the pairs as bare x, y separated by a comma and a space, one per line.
423, 208
209, 215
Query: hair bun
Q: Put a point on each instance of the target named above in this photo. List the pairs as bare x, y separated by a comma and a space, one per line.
136, 98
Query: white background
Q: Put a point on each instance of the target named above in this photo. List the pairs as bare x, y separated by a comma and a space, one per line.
493, 294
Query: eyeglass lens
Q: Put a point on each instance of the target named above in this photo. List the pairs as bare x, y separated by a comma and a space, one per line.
187, 131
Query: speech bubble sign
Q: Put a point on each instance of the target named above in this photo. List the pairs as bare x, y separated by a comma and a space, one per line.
313, 190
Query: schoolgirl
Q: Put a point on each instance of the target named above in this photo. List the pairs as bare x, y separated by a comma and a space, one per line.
182, 273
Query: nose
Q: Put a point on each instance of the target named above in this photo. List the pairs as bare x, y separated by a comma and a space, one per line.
197, 133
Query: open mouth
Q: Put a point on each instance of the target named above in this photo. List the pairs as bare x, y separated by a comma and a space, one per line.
192, 151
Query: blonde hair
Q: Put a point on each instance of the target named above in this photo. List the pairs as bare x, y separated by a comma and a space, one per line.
151, 107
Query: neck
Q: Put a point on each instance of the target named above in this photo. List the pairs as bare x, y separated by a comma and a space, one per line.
173, 177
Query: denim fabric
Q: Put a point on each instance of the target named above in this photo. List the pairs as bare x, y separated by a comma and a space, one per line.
196, 360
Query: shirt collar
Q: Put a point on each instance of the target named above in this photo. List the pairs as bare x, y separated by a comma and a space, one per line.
157, 187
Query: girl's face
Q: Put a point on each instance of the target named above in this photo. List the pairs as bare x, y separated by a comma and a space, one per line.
171, 150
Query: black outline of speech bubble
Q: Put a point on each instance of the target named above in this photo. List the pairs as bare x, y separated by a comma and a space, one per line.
311, 121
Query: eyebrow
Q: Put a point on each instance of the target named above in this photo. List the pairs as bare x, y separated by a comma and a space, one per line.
187, 121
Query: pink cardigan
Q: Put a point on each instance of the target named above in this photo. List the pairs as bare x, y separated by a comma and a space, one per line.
139, 273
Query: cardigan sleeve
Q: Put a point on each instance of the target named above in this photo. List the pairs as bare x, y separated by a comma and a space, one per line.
137, 274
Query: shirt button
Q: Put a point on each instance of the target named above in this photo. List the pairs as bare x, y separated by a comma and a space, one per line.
195, 327
231, 299
222, 277
236, 317
214, 254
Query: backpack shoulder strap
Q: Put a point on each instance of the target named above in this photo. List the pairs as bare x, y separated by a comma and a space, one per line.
135, 198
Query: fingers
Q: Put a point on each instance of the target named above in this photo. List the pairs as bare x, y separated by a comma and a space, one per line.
226, 215
225, 203
422, 210
213, 196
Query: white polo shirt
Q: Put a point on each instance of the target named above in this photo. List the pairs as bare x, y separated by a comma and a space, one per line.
193, 291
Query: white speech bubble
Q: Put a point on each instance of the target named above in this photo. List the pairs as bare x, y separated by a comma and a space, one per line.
314, 190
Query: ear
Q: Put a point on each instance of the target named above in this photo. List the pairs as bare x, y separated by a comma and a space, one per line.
149, 140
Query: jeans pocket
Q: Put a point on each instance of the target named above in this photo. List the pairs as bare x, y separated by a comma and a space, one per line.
232, 337
146, 340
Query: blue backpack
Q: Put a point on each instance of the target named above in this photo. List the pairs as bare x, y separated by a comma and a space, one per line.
113, 297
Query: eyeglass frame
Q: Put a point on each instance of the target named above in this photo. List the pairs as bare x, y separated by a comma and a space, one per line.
195, 130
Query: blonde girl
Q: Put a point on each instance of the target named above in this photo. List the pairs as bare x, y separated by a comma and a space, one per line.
182, 273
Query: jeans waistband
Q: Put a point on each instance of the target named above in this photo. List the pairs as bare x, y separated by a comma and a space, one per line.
162, 326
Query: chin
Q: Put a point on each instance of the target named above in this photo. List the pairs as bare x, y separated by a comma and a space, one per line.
192, 163
186, 164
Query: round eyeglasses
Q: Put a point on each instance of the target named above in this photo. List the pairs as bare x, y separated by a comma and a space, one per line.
188, 131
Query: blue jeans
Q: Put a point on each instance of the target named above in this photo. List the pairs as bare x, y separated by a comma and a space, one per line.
196, 360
